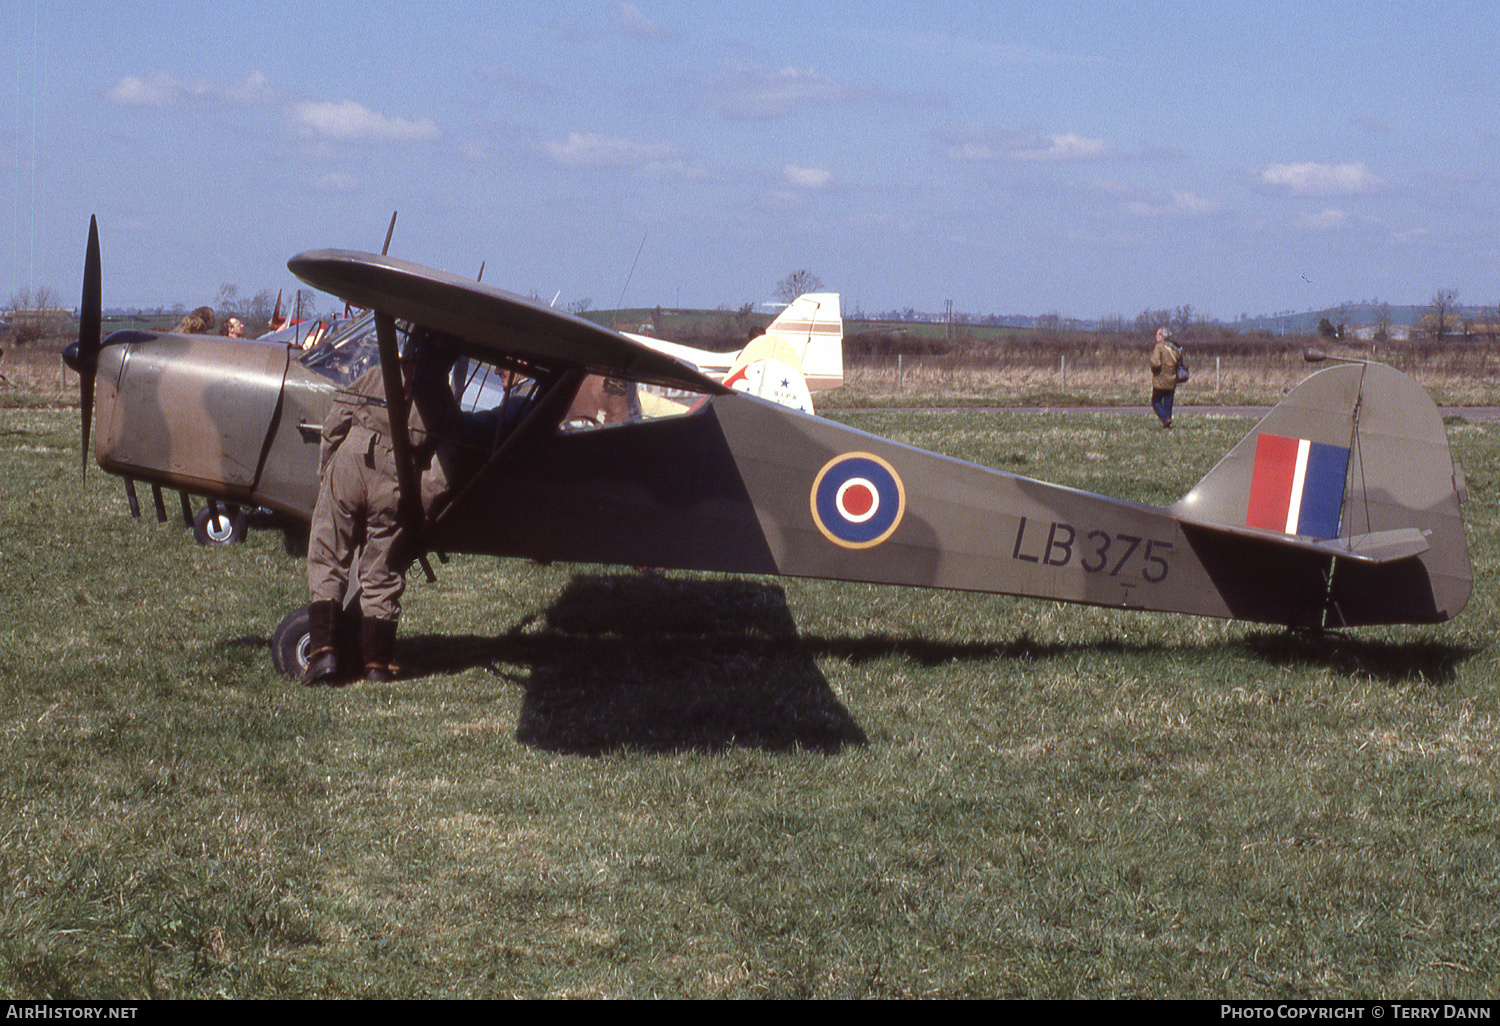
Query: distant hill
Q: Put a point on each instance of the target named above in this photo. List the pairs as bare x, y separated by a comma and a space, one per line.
1354, 315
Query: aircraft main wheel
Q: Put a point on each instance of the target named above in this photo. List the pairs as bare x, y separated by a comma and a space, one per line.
290, 643
229, 527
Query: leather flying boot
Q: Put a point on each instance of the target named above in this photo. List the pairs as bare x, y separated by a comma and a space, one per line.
322, 656
380, 646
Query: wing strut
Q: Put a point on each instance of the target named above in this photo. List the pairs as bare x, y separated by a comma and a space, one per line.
409, 497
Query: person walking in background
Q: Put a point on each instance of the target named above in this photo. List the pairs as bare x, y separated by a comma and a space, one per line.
1166, 367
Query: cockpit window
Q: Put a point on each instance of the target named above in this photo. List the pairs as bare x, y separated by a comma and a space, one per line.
481, 386
603, 402
495, 398
350, 349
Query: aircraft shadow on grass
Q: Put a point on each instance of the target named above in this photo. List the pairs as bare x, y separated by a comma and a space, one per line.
656, 664
1429, 660
1409, 662
624, 661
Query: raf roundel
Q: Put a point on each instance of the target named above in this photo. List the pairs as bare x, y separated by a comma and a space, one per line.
857, 500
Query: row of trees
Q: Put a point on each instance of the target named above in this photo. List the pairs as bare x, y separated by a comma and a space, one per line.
1444, 319
35, 313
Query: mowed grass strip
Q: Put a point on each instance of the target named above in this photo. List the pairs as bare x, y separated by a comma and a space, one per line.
1118, 374
590, 782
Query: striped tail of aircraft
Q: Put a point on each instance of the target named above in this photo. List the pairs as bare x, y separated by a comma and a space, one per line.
1349, 475
801, 351
813, 328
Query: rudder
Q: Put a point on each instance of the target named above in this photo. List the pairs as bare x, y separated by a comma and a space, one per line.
813, 326
1357, 455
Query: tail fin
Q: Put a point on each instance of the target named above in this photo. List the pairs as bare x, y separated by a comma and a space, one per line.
813, 326
1352, 464
801, 352
771, 368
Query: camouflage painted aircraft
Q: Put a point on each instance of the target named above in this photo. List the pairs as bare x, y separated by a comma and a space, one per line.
1341, 508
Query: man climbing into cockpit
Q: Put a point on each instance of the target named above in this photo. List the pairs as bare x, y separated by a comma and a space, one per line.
357, 525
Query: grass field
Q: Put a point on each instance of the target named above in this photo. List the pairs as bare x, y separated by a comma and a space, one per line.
594, 783
1117, 375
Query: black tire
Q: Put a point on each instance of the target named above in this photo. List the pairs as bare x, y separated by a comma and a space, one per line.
228, 528
289, 644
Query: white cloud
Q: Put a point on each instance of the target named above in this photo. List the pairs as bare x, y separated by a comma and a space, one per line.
516, 83
1324, 219
780, 199
807, 177
165, 90
588, 149
1069, 146
474, 152
977, 144
336, 181
1177, 203
970, 151
592, 150
628, 18
1312, 179
353, 122
749, 93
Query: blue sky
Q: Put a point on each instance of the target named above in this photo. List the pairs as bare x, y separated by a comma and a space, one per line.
1084, 158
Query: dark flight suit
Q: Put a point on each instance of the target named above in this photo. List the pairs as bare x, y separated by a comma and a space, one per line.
357, 511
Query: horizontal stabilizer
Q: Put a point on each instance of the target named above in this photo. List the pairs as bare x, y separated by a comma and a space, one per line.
1383, 546
1376, 548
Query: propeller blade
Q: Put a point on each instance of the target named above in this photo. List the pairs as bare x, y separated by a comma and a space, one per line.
83, 355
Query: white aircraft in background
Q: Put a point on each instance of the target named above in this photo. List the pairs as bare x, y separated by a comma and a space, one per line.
801, 352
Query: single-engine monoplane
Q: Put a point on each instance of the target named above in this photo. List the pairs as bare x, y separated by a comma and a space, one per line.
1341, 508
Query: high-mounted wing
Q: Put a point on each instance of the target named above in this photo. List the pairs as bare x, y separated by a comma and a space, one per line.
490, 318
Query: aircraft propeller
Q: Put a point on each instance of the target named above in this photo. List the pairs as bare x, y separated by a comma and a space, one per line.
83, 355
